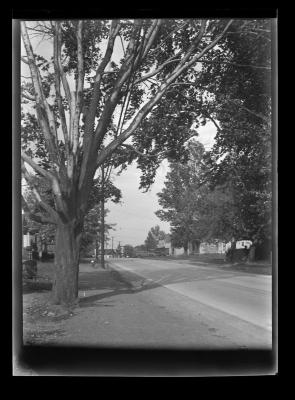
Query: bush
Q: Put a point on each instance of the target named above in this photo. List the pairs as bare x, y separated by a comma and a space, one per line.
47, 257
30, 269
237, 255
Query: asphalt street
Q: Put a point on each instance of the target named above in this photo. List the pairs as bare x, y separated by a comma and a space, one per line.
161, 304
237, 306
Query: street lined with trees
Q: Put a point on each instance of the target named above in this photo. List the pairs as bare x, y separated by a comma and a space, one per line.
84, 111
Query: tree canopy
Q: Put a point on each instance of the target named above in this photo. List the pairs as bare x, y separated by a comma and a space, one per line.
241, 155
235, 196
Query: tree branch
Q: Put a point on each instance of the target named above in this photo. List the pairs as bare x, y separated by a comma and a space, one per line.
150, 74
79, 88
93, 143
235, 64
149, 105
36, 167
44, 113
60, 66
110, 105
122, 44
41, 219
28, 97
91, 113
256, 114
214, 122
137, 151
57, 78
24, 60
30, 180
65, 83
150, 36
182, 66
131, 62
195, 42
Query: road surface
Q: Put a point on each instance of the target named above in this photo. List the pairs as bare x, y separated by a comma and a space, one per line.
235, 307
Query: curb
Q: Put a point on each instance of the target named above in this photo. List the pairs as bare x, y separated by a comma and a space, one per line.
117, 276
122, 269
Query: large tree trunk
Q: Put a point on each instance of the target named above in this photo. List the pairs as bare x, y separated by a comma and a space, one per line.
66, 265
252, 253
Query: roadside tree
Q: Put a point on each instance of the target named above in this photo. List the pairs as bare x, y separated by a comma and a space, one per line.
129, 250
241, 157
153, 238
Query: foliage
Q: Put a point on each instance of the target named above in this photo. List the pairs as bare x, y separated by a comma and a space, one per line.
153, 237
198, 210
241, 155
141, 247
129, 250
170, 39
150, 242
92, 224
33, 219
181, 198
92, 229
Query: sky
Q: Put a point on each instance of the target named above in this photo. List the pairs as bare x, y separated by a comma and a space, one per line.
135, 215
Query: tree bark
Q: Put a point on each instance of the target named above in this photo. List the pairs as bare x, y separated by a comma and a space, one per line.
185, 249
102, 220
252, 253
66, 265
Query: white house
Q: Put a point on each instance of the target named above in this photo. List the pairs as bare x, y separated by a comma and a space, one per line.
240, 244
213, 248
27, 240
194, 247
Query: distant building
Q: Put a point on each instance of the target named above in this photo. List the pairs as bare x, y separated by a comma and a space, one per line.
212, 248
34, 239
194, 247
108, 253
27, 240
240, 244
164, 246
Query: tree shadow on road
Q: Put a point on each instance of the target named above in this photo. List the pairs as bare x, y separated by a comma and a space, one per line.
116, 283
124, 282
92, 300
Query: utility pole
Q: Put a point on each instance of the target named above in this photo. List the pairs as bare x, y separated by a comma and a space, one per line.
112, 246
102, 217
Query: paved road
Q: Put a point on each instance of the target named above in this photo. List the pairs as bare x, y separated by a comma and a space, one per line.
236, 306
